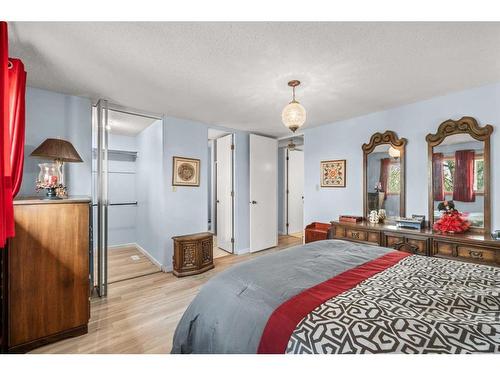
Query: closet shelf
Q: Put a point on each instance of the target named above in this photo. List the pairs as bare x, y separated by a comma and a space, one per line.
132, 154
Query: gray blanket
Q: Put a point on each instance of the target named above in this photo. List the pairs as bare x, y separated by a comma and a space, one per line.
231, 310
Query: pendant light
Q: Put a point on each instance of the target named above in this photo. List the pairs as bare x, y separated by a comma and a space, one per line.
293, 115
394, 153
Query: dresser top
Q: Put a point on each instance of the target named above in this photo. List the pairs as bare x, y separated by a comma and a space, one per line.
39, 200
469, 237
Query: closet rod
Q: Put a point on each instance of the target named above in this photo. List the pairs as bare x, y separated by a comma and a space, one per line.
119, 204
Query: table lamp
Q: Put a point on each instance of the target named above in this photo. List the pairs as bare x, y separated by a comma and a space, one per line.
51, 176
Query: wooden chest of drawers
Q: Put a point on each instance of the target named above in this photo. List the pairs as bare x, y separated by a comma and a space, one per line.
193, 254
468, 247
45, 274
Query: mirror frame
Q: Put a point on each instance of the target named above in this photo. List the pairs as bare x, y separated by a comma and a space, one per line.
466, 125
391, 138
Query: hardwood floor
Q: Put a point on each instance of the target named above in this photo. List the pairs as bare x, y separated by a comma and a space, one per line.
140, 315
127, 262
218, 252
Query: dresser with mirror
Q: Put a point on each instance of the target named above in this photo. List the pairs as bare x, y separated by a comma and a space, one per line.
459, 173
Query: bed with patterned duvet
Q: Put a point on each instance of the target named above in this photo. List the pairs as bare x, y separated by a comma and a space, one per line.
342, 297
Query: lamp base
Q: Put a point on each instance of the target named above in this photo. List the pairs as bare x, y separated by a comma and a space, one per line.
51, 194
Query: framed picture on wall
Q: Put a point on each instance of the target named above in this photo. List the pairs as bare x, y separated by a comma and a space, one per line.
333, 173
185, 171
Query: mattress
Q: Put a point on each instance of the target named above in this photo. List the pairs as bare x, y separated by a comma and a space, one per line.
342, 297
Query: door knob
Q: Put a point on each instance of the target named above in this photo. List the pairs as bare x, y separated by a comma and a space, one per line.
253, 202
217, 201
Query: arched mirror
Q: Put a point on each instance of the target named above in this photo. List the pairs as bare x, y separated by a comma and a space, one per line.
459, 171
384, 175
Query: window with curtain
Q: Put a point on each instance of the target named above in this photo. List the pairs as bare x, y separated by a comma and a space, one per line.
464, 176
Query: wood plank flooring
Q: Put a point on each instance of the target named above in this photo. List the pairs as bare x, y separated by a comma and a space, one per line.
122, 266
140, 315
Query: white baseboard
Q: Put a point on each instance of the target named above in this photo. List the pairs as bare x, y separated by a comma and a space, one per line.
241, 252
122, 245
149, 256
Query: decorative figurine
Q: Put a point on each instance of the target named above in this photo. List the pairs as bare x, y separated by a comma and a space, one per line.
373, 218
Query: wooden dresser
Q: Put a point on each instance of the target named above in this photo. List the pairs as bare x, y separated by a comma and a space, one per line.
467, 247
45, 274
193, 254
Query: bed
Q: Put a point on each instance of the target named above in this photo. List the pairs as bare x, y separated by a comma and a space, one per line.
342, 297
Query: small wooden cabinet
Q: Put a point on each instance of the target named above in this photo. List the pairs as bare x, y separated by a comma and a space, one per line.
45, 274
193, 254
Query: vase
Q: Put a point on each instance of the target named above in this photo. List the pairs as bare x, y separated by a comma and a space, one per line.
49, 178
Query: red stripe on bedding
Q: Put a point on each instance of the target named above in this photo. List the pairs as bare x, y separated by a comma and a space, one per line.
288, 315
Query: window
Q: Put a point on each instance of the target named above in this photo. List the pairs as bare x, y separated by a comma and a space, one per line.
393, 185
449, 169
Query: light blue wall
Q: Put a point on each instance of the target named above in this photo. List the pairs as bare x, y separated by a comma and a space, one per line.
343, 140
151, 214
54, 115
185, 207
184, 211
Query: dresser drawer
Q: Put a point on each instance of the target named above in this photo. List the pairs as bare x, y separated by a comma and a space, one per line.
392, 240
355, 234
362, 235
467, 252
409, 244
475, 253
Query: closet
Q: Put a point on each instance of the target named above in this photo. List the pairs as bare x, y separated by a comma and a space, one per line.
118, 179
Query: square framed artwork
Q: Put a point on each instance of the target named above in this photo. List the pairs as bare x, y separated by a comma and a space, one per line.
333, 173
185, 171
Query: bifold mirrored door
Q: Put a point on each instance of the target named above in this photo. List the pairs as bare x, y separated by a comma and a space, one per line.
102, 197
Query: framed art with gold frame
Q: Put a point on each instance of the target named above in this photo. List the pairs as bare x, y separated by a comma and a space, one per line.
333, 173
185, 171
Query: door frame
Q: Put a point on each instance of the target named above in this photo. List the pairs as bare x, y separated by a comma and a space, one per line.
101, 223
214, 188
287, 193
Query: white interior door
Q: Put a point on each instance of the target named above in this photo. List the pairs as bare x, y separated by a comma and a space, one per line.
295, 191
224, 201
263, 192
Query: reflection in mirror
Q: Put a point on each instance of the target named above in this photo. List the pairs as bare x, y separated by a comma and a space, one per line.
458, 176
384, 180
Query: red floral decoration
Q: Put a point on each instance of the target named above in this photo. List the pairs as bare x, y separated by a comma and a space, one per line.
452, 221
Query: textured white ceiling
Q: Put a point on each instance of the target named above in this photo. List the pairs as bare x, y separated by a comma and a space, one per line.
127, 124
236, 74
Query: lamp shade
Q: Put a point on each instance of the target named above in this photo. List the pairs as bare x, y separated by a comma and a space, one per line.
57, 149
395, 153
293, 115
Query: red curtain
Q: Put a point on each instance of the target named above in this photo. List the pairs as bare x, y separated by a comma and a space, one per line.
385, 165
17, 93
438, 176
463, 179
6, 208
12, 93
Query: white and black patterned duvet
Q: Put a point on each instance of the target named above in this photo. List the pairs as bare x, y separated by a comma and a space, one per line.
419, 305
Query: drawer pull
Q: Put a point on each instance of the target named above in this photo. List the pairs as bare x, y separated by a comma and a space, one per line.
476, 254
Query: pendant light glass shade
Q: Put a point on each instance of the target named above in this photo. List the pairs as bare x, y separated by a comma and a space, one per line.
294, 114
394, 153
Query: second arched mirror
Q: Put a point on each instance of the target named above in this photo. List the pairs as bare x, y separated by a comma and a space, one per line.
384, 175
